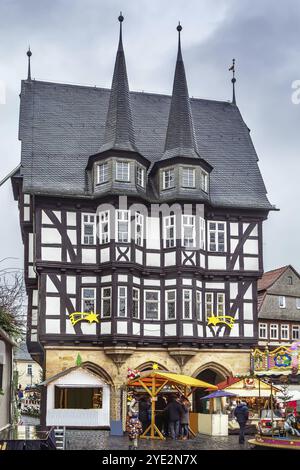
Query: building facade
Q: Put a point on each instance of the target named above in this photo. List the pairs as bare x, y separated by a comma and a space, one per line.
6, 379
279, 307
29, 372
141, 216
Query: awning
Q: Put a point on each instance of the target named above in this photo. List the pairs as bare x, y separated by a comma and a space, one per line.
172, 378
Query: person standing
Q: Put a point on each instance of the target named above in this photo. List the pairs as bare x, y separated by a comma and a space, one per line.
185, 418
174, 412
241, 413
144, 409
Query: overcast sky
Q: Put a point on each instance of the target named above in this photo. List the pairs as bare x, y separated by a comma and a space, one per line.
75, 41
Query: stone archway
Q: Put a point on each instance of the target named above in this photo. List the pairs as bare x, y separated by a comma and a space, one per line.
212, 373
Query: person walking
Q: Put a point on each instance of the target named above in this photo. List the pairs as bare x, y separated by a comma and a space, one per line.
241, 413
134, 429
185, 418
174, 412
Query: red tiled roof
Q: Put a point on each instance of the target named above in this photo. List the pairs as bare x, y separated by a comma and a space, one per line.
270, 277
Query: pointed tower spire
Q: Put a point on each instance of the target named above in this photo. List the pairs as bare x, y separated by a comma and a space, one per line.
180, 138
119, 133
233, 80
29, 54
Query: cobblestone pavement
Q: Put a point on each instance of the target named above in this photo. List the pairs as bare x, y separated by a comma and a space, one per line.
94, 439
88, 439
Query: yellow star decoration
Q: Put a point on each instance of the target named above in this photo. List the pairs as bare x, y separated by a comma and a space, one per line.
90, 317
155, 366
226, 319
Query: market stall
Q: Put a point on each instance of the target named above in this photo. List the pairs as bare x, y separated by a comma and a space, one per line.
153, 382
255, 391
216, 422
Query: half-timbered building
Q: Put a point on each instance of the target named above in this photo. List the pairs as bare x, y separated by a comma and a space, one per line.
279, 307
141, 217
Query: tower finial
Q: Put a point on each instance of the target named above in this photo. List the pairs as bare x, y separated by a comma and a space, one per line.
121, 19
29, 54
233, 80
179, 29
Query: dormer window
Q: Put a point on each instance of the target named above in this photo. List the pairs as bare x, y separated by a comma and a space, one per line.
204, 181
102, 173
140, 176
168, 178
188, 177
122, 171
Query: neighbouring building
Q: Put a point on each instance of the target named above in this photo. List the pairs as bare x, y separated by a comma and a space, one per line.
6, 379
28, 370
279, 307
141, 216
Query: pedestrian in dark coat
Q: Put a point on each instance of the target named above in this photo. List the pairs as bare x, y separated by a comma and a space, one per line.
174, 412
144, 412
241, 413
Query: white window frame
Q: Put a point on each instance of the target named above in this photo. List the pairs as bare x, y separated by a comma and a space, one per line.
220, 304
217, 233
295, 329
204, 181
29, 368
139, 222
140, 176
103, 298
122, 297
136, 298
209, 303
104, 218
202, 232
285, 328
273, 328
168, 181
102, 173
120, 218
85, 297
170, 301
152, 301
188, 301
169, 222
263, 327
188, 177
84, 224
281, 301
123, 171
199, 305
298, 303
188, 242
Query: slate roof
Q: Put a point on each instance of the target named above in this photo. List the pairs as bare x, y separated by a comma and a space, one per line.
61, 125
180, 137
21, 353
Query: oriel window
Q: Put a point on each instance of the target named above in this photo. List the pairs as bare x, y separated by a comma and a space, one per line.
168, 178
122, 301
102, 173
122, 171
188, 177
88, 229
123, 226
106, 302
88, 299
170, 304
